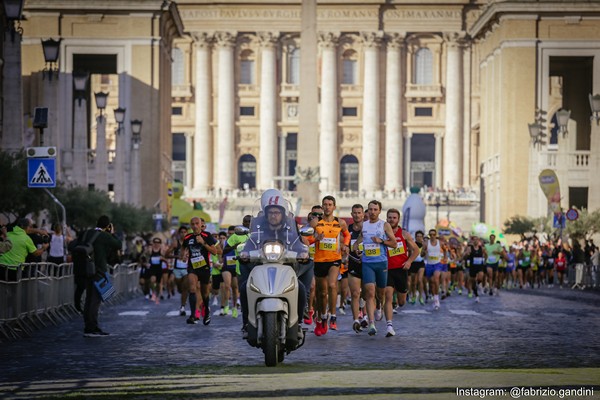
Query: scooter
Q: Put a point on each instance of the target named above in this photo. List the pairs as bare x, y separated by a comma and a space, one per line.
272, 288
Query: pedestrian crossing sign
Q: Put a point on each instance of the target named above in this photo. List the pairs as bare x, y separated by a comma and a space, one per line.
41, 172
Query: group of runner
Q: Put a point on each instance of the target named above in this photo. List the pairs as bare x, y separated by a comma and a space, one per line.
372, 265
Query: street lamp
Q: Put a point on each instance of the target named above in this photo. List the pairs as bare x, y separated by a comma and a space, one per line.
136, 129
119, 117
595, 106
562, 117
437, 209
80, 80
12, 11
51, 49
101, 98
536, 134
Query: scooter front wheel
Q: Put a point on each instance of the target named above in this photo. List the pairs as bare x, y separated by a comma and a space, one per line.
271, 339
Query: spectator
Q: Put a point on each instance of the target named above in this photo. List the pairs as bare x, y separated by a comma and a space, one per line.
105, 244
58, 241
22, 247
5, 243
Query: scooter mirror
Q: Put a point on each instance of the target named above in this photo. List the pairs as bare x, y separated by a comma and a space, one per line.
307, 231
241, 230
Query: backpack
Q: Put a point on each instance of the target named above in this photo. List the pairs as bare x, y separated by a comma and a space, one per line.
83, 256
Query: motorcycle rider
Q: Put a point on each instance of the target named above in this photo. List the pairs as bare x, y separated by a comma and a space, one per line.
272, 222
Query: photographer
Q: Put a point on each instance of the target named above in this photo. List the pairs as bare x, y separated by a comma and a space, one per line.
22, 246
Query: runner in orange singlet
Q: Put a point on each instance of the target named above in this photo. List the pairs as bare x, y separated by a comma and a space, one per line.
329, 248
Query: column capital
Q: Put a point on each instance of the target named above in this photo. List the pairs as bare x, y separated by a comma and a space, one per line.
455, 39
328, 40
225, 38
408, 135
268, 39
395, 40
202, 39
371, 39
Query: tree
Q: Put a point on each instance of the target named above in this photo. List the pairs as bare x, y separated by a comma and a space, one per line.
130, 219
585, 226
83, 206
519, 225
17, 200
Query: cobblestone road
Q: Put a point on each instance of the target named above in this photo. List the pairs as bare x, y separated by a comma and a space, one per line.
534, 329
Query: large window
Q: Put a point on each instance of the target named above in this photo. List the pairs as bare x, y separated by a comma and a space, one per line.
247, 67
349, 68
294, 67
423, 67
177, 68
247, 172
349, 173
178, 147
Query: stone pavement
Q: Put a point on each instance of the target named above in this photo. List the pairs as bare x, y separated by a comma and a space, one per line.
522, 337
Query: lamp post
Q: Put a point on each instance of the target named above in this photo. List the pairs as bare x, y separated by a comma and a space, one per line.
12, 11
437, 209
101, 163
80, 128
136, 179
120, 158
51, 49
80, 80
562, 117
595, 106
12, 104
448, 204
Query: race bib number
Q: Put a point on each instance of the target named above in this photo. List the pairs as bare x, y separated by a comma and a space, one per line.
165, 266
372, 250
551, 261
311, 250
328, 244
180, 264
155, 260
477, 260
230, 260
398, 250
198, 262
492, 259
433, 259
527, 259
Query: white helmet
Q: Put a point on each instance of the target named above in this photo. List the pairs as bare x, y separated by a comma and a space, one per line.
272, 197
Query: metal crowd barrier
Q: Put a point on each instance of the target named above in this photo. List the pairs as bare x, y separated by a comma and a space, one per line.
42, 294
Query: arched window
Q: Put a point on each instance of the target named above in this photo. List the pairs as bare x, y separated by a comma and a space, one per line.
555, 128
247, 67
247, 172
349, 173
177, 68
349, 68
423, 67
294, 67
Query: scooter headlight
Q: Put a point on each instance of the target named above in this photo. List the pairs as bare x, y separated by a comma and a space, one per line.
273, 251
290, 287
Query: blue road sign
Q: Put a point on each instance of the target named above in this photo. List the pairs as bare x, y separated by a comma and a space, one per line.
559, 221
41, 172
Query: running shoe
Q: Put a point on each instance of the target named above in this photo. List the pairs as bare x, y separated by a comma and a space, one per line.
226, 310
96, 333
395, 310
333, 324
222, 312
318, 329
147, 297
234, 313
197, 314
378, 314
390, 331
206, 319
324, 326
308, 319
412, 300
470, 295
491, 291
162, 297
191, 320
356, 326
215, 301
182, 311
477, 299
364, 323
421, 301
342, 310
460, 292
372, 330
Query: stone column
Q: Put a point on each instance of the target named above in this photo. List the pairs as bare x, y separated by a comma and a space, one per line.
371, 137
407, 156
101, 163
12, 113
202, 171
393, 114
80, 145
282, 159
453, 144
189, 165
225, 177
268, 110
328, 139
438, 161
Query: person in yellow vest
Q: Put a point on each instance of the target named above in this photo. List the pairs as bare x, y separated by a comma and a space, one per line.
329, 249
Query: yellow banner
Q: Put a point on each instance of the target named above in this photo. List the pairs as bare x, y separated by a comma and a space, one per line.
551, 188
